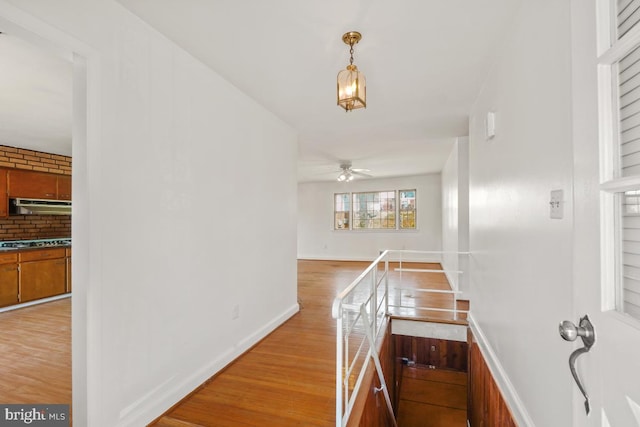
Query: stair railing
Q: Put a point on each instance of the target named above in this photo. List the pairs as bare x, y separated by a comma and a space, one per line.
361, 311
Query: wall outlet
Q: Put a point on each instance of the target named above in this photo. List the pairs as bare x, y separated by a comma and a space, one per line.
235, 312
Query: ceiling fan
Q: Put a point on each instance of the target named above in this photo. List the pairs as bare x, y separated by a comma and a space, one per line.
347, 173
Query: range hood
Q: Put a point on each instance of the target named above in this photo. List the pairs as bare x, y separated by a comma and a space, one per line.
39, 207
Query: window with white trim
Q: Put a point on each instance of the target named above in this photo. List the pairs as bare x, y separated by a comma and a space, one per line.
619, 77
375, 210
407, 208
341, 211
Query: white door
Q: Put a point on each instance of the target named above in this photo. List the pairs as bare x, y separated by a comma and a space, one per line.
606, 241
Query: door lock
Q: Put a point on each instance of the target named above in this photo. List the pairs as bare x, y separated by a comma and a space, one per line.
570, 332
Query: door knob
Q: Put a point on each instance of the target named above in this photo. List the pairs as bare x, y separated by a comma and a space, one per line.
570, 332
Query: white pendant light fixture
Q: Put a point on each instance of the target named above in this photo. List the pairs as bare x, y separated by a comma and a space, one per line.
352, 90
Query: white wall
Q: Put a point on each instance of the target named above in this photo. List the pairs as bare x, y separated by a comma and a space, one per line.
522, 260
455, 216
450, 215
318, 240
178, 236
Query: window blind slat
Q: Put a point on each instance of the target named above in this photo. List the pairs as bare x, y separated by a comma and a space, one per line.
630, 67
632, 310
633, 284
632, 248
632, 221
630, 110
632, 81
631, 170
628, 16
622, 5
628, 97
630, 135
630, 165
630, 147
631, 297
631, 160
632, 121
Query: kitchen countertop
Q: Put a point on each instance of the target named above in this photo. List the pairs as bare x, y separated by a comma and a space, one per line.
17, 245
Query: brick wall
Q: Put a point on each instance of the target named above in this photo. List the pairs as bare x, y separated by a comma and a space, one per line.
22, 227
18, 158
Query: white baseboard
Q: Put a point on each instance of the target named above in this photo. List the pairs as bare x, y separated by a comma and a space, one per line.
172, 390
453, 282
35, 302
508, 391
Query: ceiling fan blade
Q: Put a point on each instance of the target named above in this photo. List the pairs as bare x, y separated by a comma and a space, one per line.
360, 170
355, 172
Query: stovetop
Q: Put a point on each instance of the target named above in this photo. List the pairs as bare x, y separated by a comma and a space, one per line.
18, 244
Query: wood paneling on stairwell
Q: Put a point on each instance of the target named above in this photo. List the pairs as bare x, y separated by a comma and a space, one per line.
487, 407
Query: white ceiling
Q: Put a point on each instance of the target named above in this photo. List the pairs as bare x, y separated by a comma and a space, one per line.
424, 60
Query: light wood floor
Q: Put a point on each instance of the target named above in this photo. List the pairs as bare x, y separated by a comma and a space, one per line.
35, 354
288, 379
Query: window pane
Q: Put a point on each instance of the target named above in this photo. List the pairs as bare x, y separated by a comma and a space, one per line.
628, 291
407, 209
629, 125
342, 211
374, 210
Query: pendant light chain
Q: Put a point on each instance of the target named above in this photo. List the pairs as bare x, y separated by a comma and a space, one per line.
351, 53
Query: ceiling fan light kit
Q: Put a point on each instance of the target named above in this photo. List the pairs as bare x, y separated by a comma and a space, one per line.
352, 85
348, 173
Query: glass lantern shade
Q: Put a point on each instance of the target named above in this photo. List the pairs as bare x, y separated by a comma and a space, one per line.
352, 90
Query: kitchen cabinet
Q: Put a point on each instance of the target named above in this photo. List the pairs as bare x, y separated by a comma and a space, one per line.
8, 279
4, 198
32, 185
42, 273
64, 187
68, 259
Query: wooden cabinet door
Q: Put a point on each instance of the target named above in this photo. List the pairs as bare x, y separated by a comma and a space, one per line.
68, 259
8, 284
64, 187
4, 198
32, 185
41, 279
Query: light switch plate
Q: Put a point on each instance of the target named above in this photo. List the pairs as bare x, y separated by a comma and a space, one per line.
491, 124
556, 204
